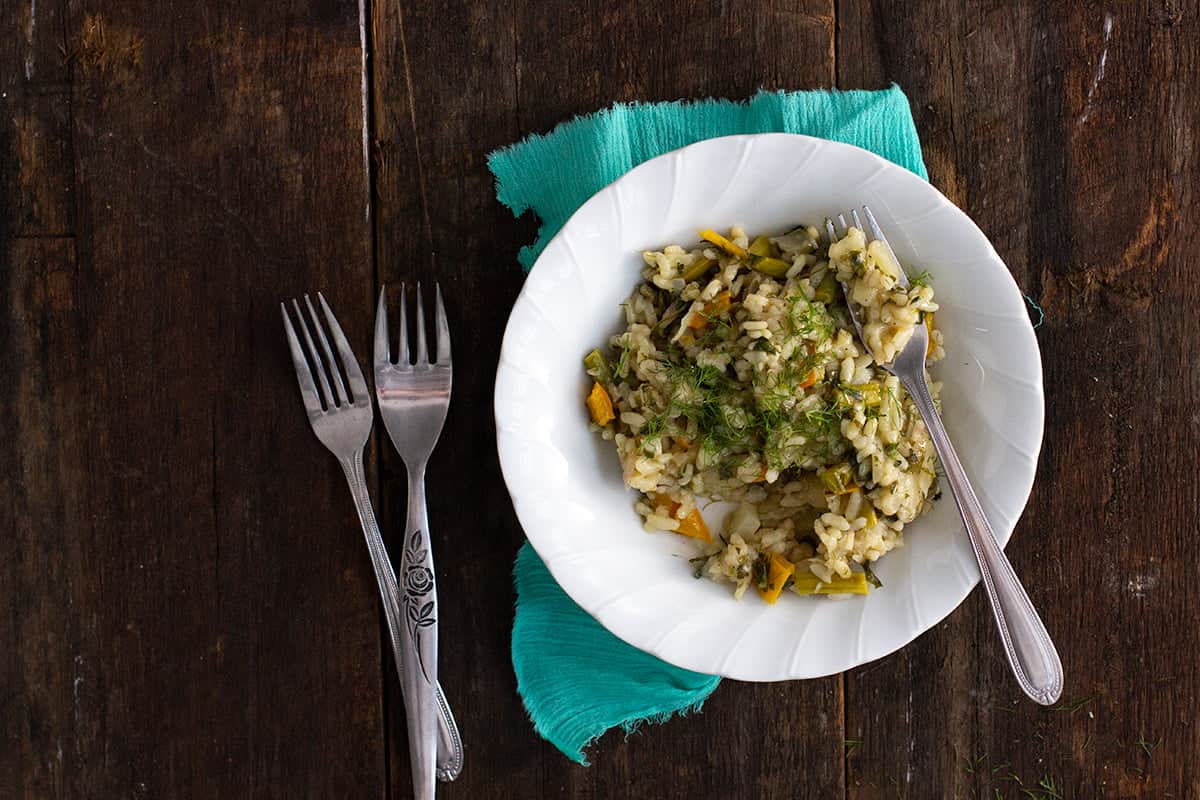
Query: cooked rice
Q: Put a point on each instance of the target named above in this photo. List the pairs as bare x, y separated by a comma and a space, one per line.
766, 398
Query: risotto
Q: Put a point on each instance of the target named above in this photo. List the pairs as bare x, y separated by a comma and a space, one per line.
739, 378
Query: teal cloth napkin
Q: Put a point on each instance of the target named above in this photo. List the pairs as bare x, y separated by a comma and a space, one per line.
578, 680
554, 174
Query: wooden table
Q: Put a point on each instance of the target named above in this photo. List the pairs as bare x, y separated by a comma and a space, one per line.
186, 605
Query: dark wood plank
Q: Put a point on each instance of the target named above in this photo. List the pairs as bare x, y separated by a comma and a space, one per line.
1060, 129
41, 418
582, 57
188, 608
444, 96
436, 217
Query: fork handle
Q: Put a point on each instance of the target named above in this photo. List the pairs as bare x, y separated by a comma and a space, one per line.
419, 633
450, 747
1030, 651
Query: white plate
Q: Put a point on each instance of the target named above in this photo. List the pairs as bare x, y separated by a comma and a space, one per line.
566, 482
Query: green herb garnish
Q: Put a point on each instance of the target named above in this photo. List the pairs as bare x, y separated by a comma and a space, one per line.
654, 426
762, 571
622, 368
808, 319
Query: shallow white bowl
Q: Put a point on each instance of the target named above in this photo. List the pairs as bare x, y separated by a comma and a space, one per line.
566, 482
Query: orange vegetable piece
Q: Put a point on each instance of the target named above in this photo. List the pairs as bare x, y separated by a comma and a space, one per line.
714, 308
811, 378
720, 241
600, 405
780, 570
692, 525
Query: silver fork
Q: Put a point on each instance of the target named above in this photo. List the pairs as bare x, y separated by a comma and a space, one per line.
413, 396
1030, 651
341, 417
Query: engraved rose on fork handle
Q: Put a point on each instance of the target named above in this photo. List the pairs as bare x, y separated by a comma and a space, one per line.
418, 584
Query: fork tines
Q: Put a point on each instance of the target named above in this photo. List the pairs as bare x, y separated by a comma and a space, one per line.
406, 359
872, 230
330, 389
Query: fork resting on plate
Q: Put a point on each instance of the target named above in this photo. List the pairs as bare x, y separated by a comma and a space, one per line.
1030, 651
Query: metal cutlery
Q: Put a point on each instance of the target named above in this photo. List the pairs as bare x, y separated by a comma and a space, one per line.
341, 416
413, 395
1030, 651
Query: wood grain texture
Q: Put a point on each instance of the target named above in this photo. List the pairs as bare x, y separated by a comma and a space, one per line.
580, 57
177, 623
437, 220
1064, 130
186, 607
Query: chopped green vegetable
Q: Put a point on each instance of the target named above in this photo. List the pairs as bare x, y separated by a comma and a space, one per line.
807, 583
597, 366
698, 269
775, 267
762, 247
826, 290
866, 508
764, 345
838, 479
871, 394
870, 575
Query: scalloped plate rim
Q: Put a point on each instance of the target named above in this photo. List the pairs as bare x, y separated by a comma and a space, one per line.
650, 642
